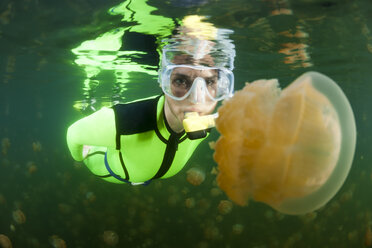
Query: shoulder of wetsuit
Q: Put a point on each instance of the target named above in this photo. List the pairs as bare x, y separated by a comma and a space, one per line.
136, 117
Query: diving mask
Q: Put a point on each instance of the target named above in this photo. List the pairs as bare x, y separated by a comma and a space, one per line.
196, 82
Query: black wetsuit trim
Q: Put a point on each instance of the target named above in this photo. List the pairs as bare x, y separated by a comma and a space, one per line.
98, 153
124, 167
140, 117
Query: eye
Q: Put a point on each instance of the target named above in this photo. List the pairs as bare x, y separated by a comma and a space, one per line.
181, 82
211, 82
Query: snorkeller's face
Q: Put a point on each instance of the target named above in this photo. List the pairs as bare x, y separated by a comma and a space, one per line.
196, 69
195, 84
198, 85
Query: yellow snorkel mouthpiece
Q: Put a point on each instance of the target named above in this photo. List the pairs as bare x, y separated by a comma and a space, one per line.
197, 126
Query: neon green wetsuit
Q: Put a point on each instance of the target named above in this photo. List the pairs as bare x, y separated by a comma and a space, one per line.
132, 140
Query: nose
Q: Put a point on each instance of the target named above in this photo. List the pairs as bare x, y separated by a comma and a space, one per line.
198, 91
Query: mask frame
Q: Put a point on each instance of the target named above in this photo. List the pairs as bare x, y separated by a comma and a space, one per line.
225, 87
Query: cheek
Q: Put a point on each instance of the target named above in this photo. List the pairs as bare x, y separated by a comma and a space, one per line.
177, 107
208, 107
211, 106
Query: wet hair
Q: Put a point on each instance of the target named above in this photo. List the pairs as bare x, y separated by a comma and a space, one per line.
184, 47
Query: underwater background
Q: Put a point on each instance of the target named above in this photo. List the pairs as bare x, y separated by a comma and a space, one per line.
61, 60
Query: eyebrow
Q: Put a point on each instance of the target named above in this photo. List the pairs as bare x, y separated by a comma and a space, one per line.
181, 75
189, 78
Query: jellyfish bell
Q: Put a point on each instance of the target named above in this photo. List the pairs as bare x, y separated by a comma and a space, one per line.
195, 176
190, 202
110, 238
237, 229
290, 149
343, 162
57, 242
19, 217
5, 242
303, 140
2, 200
225, 207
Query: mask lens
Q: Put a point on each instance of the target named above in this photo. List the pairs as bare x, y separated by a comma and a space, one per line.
178, 82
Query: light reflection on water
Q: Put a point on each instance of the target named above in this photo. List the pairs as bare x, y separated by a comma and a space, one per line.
45, 70
112, 51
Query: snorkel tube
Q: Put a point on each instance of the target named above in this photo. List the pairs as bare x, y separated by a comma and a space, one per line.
196, 126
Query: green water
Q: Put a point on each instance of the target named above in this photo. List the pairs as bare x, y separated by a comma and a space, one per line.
44, 88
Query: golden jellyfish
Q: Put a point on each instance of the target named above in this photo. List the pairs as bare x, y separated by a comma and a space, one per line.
212, 145
57, 242
368, 237
111, 238
2, 200
173, 199
5, 144
216, 191
64, 208
32, 168
195, 176
237, 229
19, 217
190, 202
36, 146
211, 232
5, 242
291, 149
225, 207
90, 196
